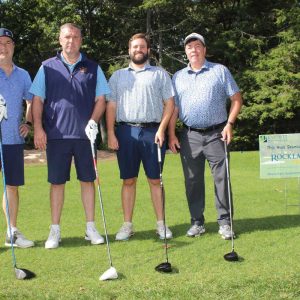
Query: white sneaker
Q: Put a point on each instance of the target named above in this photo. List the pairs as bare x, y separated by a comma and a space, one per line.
53, 239
91, 234
18, 240
195, 230
225, 232
125, 232
160, 230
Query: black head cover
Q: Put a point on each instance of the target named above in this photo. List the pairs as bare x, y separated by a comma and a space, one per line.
164, 267
23, 274
231, 256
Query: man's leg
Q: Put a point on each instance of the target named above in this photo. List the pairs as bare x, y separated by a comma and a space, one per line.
215, 154
128, 195
193, 164
57, 192
88, 200
156, 198
13, 199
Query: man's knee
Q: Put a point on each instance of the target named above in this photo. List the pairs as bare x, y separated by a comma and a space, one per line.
129, 182
154, 182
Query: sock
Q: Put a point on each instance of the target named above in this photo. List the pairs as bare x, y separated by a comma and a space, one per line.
13, 229
129, 224
56, 227
90, 225
160, 223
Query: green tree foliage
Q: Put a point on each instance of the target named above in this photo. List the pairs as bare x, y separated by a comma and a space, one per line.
272, 97
257, 40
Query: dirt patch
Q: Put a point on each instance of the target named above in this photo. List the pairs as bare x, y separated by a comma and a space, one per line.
39, 157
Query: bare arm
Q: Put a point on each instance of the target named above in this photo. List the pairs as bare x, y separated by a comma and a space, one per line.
40, 138
236, 105
167, 114
112, 141
25, 128
98, 109
173, 141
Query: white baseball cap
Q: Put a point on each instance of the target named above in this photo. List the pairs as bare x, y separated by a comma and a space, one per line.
194, 35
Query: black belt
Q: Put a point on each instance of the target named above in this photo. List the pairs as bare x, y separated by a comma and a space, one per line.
145, 125
207, 129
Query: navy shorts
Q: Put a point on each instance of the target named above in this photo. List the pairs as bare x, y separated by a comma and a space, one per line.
136, 145
59, 159
13, 157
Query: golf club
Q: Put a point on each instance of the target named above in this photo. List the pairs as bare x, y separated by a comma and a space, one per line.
20, 273
164, 267
111, 273
231, 256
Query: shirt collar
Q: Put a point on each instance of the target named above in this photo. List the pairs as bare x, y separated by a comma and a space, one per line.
204, 66
146, 66
68, 64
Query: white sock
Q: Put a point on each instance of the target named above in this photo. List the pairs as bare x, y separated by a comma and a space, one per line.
13, 229
160, 223
90, 225
56, 227
129, 224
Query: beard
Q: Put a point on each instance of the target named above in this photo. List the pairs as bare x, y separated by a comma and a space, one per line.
139, 61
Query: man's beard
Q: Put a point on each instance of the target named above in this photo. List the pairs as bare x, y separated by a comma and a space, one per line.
141, 60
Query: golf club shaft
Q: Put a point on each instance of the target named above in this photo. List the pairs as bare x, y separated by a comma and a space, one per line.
163, 200
229, 192
101, 204
7, 202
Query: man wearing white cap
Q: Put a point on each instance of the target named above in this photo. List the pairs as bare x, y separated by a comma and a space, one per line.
202, 90
14, 89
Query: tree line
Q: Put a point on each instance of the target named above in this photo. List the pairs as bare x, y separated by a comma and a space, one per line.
258, 40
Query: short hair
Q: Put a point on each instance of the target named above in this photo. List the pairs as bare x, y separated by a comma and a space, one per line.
69, 25
140, 36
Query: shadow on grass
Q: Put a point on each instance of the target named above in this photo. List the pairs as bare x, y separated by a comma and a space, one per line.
240, 226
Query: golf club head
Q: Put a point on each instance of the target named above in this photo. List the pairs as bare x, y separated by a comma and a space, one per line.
164, 267
231, 256
111, 273
23, 274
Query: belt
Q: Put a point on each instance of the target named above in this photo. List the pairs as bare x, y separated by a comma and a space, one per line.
207, 129
144, 125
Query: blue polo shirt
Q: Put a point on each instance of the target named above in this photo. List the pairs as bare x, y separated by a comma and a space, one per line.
201, 96
14, 89
140, 94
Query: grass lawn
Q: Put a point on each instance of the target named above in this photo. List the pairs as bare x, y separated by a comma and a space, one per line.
268, 241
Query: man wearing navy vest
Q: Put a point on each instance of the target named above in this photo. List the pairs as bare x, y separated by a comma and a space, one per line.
69, 99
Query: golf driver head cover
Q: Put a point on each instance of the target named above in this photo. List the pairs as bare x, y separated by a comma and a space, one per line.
91, 130
3, 110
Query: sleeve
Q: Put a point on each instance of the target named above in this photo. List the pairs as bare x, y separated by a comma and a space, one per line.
102, 87
175, 90
112, 96
26, 94
231, 87
38, 87
167, 87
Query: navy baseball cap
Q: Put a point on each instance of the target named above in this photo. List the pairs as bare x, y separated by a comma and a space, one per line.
6, 32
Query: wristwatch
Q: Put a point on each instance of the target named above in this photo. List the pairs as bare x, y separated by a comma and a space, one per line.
28, 123
230, 123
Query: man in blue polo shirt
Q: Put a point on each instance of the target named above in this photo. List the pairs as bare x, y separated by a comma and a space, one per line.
141, 101
69, 100
14, 89
202, 90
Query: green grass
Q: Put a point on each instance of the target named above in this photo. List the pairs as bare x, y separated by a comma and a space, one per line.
268, 241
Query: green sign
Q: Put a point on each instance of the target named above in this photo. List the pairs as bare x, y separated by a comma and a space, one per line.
279, 155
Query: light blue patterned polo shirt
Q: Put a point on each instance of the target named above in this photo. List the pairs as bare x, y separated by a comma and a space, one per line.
14, 89
140, 95
201, 96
